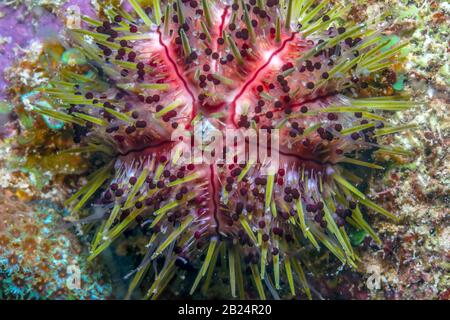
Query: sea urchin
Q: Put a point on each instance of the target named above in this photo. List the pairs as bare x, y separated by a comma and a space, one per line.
296, 69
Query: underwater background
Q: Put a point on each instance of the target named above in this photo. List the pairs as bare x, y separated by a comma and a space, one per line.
40, 253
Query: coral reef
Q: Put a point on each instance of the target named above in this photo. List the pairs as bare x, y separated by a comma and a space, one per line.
413, 262
39, 259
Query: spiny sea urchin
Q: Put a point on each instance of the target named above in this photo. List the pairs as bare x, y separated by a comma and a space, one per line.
293, 67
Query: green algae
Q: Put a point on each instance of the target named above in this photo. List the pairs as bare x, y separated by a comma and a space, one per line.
73, 57
399, 85
5, 107
357, 237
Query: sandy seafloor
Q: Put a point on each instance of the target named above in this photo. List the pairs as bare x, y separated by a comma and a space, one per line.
414, 260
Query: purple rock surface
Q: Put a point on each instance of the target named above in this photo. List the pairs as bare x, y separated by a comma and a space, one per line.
20, 26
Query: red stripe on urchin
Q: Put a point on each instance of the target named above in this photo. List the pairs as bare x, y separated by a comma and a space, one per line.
305, 160
158, 145
213, 178
180, 76
255, 75
223, 17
